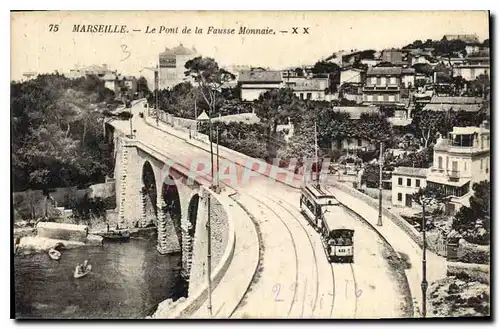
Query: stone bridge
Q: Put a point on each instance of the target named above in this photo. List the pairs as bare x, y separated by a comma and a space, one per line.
154, 190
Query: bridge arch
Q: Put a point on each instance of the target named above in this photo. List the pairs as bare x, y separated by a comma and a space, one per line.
171, 212
149, 195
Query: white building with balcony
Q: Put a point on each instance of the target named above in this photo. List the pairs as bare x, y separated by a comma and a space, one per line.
459, 161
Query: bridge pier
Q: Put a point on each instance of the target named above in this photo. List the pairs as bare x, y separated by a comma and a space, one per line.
167, 238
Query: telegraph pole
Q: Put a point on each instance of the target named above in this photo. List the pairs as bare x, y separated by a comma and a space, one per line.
379, 222
316, 153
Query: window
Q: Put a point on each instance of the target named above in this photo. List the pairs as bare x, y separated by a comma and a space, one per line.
482, 142
360, 142
392, 98
481, 164
380, 98
393, 80
417, 182
408, 182
400, 197
386, 98
383, 81
379, 81
400, 181
309, 95
465, 166
374, 80
487, 166
440, 162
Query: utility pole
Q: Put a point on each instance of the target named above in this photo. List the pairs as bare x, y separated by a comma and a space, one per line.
211, 151
217, 172
316, 153
209, 257
157, 86
379, 222
424, 283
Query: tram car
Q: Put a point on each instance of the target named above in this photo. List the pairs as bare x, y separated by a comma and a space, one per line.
314, 202
323, 212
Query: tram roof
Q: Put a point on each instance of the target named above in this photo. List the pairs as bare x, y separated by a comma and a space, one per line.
317, 192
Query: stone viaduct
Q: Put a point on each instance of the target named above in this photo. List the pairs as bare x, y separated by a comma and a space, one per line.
153, 190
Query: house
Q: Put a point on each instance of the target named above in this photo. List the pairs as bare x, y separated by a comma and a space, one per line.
405, 182
172, 63
420, 59
383, 85
111, 82
468, 104
255, 82
348, 58
352, 75
312, 89
395, 57
460, 160
474, 67
467, 38
370, 61
28, 76
354, 144
408, 77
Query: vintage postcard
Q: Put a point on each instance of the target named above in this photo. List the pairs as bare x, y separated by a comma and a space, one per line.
250, 165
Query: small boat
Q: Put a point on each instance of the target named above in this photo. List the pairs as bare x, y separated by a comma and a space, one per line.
121, 235
54, 254
78, 274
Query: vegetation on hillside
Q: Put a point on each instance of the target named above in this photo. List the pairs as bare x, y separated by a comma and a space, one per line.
56, 131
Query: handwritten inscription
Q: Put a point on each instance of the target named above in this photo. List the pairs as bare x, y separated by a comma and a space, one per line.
276, 291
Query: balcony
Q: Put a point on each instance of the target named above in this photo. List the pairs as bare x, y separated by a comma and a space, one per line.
453, 175
371, 87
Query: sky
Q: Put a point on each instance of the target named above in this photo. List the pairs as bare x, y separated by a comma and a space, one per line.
34, 47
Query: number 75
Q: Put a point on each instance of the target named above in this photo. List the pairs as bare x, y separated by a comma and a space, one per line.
53, 27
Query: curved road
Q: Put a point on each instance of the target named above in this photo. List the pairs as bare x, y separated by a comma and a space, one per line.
295, 279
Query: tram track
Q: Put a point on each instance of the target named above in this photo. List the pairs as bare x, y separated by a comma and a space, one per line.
312, 247
294, 249
314, 253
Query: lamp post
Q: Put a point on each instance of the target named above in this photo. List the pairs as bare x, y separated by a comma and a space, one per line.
379, 222
424, 283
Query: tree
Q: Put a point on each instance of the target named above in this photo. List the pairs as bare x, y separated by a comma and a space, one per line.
428, 123
142, 86
473, 222
275, 107
332, 69
210, 77
429, 197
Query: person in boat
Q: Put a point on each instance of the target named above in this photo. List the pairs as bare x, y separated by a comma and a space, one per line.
85, 265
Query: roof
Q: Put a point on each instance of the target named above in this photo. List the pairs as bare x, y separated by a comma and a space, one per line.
408, 70
454, 107
410, 171
456, 100
384, 70
176, 51
260, 76
202, 116
356, 111
109, 77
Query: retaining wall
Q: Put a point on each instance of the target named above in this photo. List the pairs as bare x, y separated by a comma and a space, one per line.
222, 255
398, 220
477, 272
